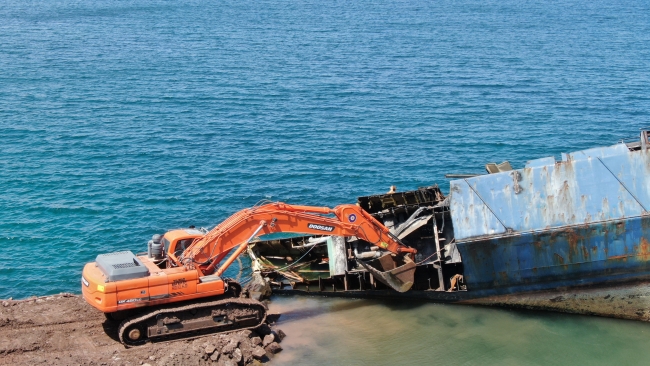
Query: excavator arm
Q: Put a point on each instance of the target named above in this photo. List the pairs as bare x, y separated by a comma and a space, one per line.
238, 230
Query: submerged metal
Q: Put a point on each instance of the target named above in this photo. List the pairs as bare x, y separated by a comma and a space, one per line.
569, 235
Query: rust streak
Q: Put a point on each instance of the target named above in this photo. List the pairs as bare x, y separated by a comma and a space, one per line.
504, 276
572, 239
624, 257
644, 250
645, 223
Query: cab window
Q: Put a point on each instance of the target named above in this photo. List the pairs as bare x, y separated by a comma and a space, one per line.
166, 242
181, 245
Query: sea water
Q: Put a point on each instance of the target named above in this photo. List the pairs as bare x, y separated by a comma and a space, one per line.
367, 332
122, 119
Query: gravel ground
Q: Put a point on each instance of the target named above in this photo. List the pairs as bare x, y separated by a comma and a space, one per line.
64, 330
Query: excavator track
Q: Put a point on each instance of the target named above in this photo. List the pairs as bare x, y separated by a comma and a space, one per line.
227, 315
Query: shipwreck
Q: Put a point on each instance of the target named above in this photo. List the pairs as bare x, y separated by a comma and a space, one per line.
566, 235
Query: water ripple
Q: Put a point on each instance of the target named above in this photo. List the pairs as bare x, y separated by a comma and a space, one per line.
121, 120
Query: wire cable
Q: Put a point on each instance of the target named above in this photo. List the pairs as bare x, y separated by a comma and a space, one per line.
294, 263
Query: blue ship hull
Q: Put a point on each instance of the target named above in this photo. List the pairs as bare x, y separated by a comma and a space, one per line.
596, 253
578, 227
570, 235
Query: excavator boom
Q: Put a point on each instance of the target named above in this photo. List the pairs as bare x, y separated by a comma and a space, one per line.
348, 220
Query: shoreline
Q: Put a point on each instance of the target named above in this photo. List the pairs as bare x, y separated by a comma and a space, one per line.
63, 330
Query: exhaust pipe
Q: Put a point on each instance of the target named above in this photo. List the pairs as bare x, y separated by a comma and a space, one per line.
372, 254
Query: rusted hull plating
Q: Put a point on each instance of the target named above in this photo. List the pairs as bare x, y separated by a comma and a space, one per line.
573, 256
578, 223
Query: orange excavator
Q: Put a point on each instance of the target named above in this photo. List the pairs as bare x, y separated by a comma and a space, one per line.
175, 289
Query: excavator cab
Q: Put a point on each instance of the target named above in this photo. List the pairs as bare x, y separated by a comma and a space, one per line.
172, 244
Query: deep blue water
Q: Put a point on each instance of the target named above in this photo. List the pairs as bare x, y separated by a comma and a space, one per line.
121, 119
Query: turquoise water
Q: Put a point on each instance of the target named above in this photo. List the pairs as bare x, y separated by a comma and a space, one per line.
366, 332
121, 119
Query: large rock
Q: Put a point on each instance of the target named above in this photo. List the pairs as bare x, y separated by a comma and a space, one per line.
273, 348
268, 339
246, 333
236, 355
230, 347
279, 335
246, 348
259, 353
258, 288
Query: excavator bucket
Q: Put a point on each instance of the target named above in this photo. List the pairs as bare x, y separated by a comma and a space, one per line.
394, 272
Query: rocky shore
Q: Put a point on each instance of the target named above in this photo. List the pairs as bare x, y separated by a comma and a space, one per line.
64, 330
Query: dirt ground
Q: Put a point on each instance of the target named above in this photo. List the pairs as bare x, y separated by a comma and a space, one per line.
64, 330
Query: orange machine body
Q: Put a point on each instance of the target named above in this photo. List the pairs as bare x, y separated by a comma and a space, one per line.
162, 285
194, 274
